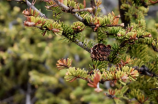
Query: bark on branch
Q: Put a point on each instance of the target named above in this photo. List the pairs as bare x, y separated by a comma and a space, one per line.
84, 46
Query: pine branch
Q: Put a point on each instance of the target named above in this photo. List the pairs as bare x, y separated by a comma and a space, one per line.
62, 5
79, 17
84, 46
145, 71
72, 11
123, 44
67, 9
44, 29
76, 41
119, 25
81, 10
34, 8
122, 13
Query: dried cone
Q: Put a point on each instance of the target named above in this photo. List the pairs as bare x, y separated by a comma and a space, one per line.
100, 52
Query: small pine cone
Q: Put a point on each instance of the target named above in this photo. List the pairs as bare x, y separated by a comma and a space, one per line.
100, 52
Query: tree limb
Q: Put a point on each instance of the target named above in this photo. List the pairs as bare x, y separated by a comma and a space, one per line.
34, 8
124, 19
67, 8
145, 71
62, 5
82, 45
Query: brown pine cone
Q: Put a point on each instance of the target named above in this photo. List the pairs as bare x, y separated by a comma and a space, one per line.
100, 52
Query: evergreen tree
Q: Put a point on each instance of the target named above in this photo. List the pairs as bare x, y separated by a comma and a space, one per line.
129, 63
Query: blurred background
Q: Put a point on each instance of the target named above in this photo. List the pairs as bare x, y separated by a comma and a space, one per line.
28, 73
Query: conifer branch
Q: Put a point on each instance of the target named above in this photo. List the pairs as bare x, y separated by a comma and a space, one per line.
76, 41
79, 17
122, 13
45, 28
34, 8
81, 10
84, 46
73, 10
67, 9
119, 25
62, 5
123, 44
145, 71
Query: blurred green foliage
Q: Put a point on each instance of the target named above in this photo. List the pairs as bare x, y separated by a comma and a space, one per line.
27, 62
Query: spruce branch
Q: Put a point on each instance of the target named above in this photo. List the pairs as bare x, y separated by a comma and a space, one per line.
81, 10
34, 8
68, 9
123, 17
61, 5
79, 18
72, 11
79, 43
92, 9
84, 46
76, 41
46, 29
115, 54
145, 71
119, 25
